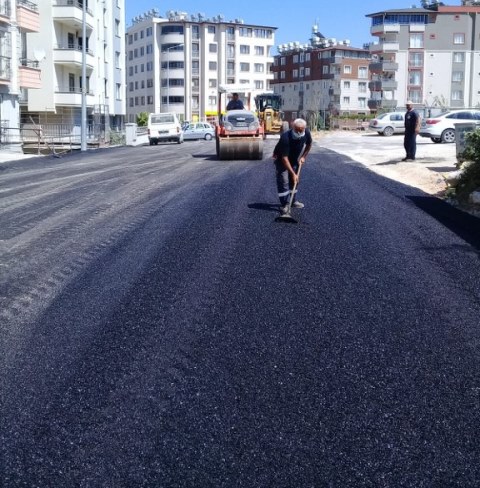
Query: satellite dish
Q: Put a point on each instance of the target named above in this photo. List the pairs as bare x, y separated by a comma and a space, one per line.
39, 54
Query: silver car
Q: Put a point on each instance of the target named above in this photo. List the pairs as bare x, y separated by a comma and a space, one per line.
199, 130
389, 123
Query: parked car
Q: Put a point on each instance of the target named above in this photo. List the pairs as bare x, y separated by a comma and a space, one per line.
164, 127
389, 123
199, 130
442, 127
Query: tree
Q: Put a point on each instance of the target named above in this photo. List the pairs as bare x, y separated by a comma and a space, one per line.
142, 119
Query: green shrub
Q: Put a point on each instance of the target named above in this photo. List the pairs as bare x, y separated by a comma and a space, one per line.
470, 179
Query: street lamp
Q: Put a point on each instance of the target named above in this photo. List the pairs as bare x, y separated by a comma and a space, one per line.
168, 72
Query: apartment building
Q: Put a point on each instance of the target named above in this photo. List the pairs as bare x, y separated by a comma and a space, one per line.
19, 69
63, 26
324, 75
430, 55
177, 62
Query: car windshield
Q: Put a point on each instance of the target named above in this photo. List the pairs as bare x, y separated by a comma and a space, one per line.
163, 119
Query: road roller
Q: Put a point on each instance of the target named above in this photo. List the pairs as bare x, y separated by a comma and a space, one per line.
239, 135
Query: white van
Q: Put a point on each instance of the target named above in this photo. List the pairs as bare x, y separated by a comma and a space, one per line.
164, 127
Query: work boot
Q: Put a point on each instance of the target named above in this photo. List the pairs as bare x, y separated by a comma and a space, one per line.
284, 209
298, 204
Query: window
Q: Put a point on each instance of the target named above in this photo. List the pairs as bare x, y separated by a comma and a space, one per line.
416, 40
362, 87
416, 60
347, 69
346, 85
415, 78
259, 68
346, 100
363, 72
295, 58
212, 65
244, 49
282, 76
230, 50
259, 50
325, 69
362, 102
457, 95
457, 76
212, 100
212, 48
211, 29
172, 29
259, 85
212, 83
195, 32
458, 57
295, 73
307, 56
459, 38
117, 27
283, 61
245, 32
244, 67
307, 71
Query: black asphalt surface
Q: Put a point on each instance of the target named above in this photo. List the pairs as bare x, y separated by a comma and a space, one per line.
160, 329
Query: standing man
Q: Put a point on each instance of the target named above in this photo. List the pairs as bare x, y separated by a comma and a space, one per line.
287, 158
412, 128
235, 103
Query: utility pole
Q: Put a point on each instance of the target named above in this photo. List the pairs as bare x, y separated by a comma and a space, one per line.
83, 132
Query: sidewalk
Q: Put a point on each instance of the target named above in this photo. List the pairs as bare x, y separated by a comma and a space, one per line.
384, 156
13, 153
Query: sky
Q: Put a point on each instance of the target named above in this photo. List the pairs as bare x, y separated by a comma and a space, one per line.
341, 19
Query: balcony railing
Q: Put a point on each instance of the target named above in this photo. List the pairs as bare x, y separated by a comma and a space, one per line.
27, 4
73, 3
29, 63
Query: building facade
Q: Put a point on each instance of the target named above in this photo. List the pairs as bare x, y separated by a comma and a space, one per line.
325, 75
63, 26
428, 55
19, 65
177, 63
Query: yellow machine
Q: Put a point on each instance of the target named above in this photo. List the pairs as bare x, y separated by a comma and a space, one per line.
269, 112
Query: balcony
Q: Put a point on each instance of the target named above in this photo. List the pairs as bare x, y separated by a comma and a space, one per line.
72, 56
383, 66
377, 103
385, 84
385, 47
29, 74
28, 18
72, 97
378, 30
70, 13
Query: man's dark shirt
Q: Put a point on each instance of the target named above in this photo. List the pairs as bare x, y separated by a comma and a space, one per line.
411, 119
235, 105
290, 147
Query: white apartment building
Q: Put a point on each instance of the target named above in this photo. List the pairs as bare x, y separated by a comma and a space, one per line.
60, 43
176, 63
19, 69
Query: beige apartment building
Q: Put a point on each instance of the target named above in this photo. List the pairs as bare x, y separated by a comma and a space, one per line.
58, 44
176, 63
324, 75
19, 60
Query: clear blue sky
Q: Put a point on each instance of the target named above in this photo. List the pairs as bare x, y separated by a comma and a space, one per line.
342, 19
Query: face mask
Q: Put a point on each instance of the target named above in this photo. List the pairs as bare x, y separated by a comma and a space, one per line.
297, 135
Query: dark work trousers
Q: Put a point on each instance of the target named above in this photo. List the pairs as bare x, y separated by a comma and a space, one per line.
410, 144
284, 182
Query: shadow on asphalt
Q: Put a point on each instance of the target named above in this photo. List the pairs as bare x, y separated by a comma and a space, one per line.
269, 207
465, 225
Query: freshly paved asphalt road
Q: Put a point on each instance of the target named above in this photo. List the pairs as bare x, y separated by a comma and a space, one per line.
160, 329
